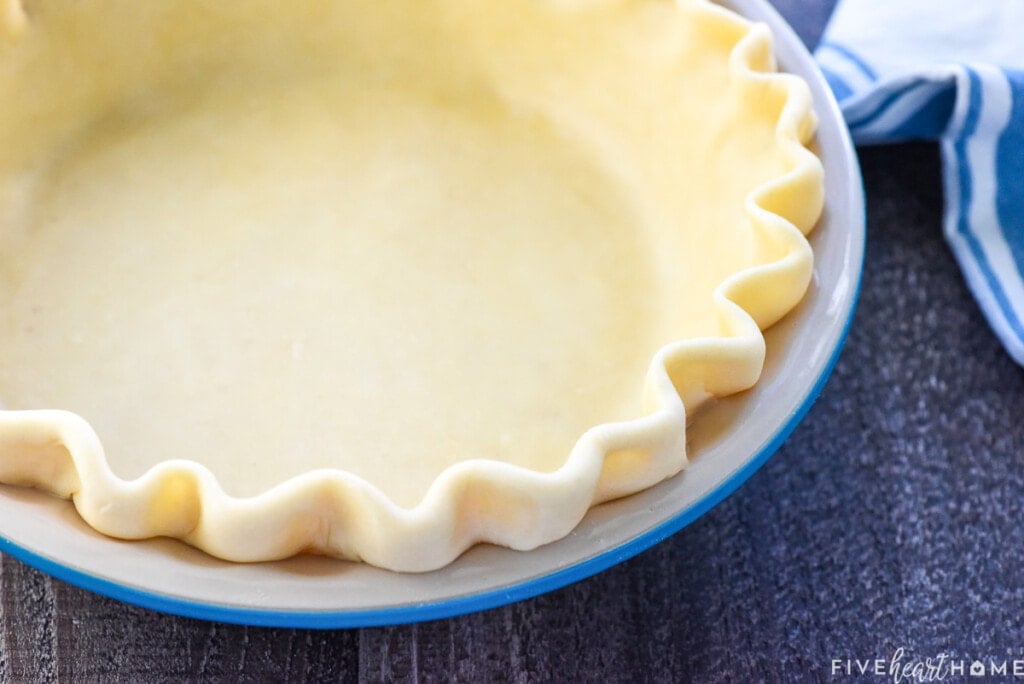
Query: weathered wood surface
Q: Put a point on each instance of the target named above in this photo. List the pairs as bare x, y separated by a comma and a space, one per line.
891, 518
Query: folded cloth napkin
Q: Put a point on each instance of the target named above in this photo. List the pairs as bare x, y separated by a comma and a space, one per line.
951, 71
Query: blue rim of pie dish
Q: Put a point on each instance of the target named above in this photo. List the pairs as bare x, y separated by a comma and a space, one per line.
493, 598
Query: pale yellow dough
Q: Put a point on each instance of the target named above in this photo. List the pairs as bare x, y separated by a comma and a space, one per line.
383, 278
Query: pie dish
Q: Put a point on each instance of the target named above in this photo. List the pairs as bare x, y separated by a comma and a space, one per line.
383, 280
733, 438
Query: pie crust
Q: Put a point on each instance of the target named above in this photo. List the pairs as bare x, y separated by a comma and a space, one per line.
383, 279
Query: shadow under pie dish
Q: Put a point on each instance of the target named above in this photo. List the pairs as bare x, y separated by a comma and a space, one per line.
382, 280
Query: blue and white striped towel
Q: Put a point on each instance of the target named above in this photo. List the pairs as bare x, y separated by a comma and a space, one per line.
953, 72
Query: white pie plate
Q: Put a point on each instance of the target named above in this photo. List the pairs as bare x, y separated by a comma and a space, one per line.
728, 442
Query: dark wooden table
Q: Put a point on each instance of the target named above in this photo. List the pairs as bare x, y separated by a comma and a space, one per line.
892, 518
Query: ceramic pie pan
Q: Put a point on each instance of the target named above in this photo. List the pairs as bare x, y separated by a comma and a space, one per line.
728, 441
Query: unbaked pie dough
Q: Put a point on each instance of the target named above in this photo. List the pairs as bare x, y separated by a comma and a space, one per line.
382, 279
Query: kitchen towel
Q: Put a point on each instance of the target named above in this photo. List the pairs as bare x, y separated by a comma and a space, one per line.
952, 71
